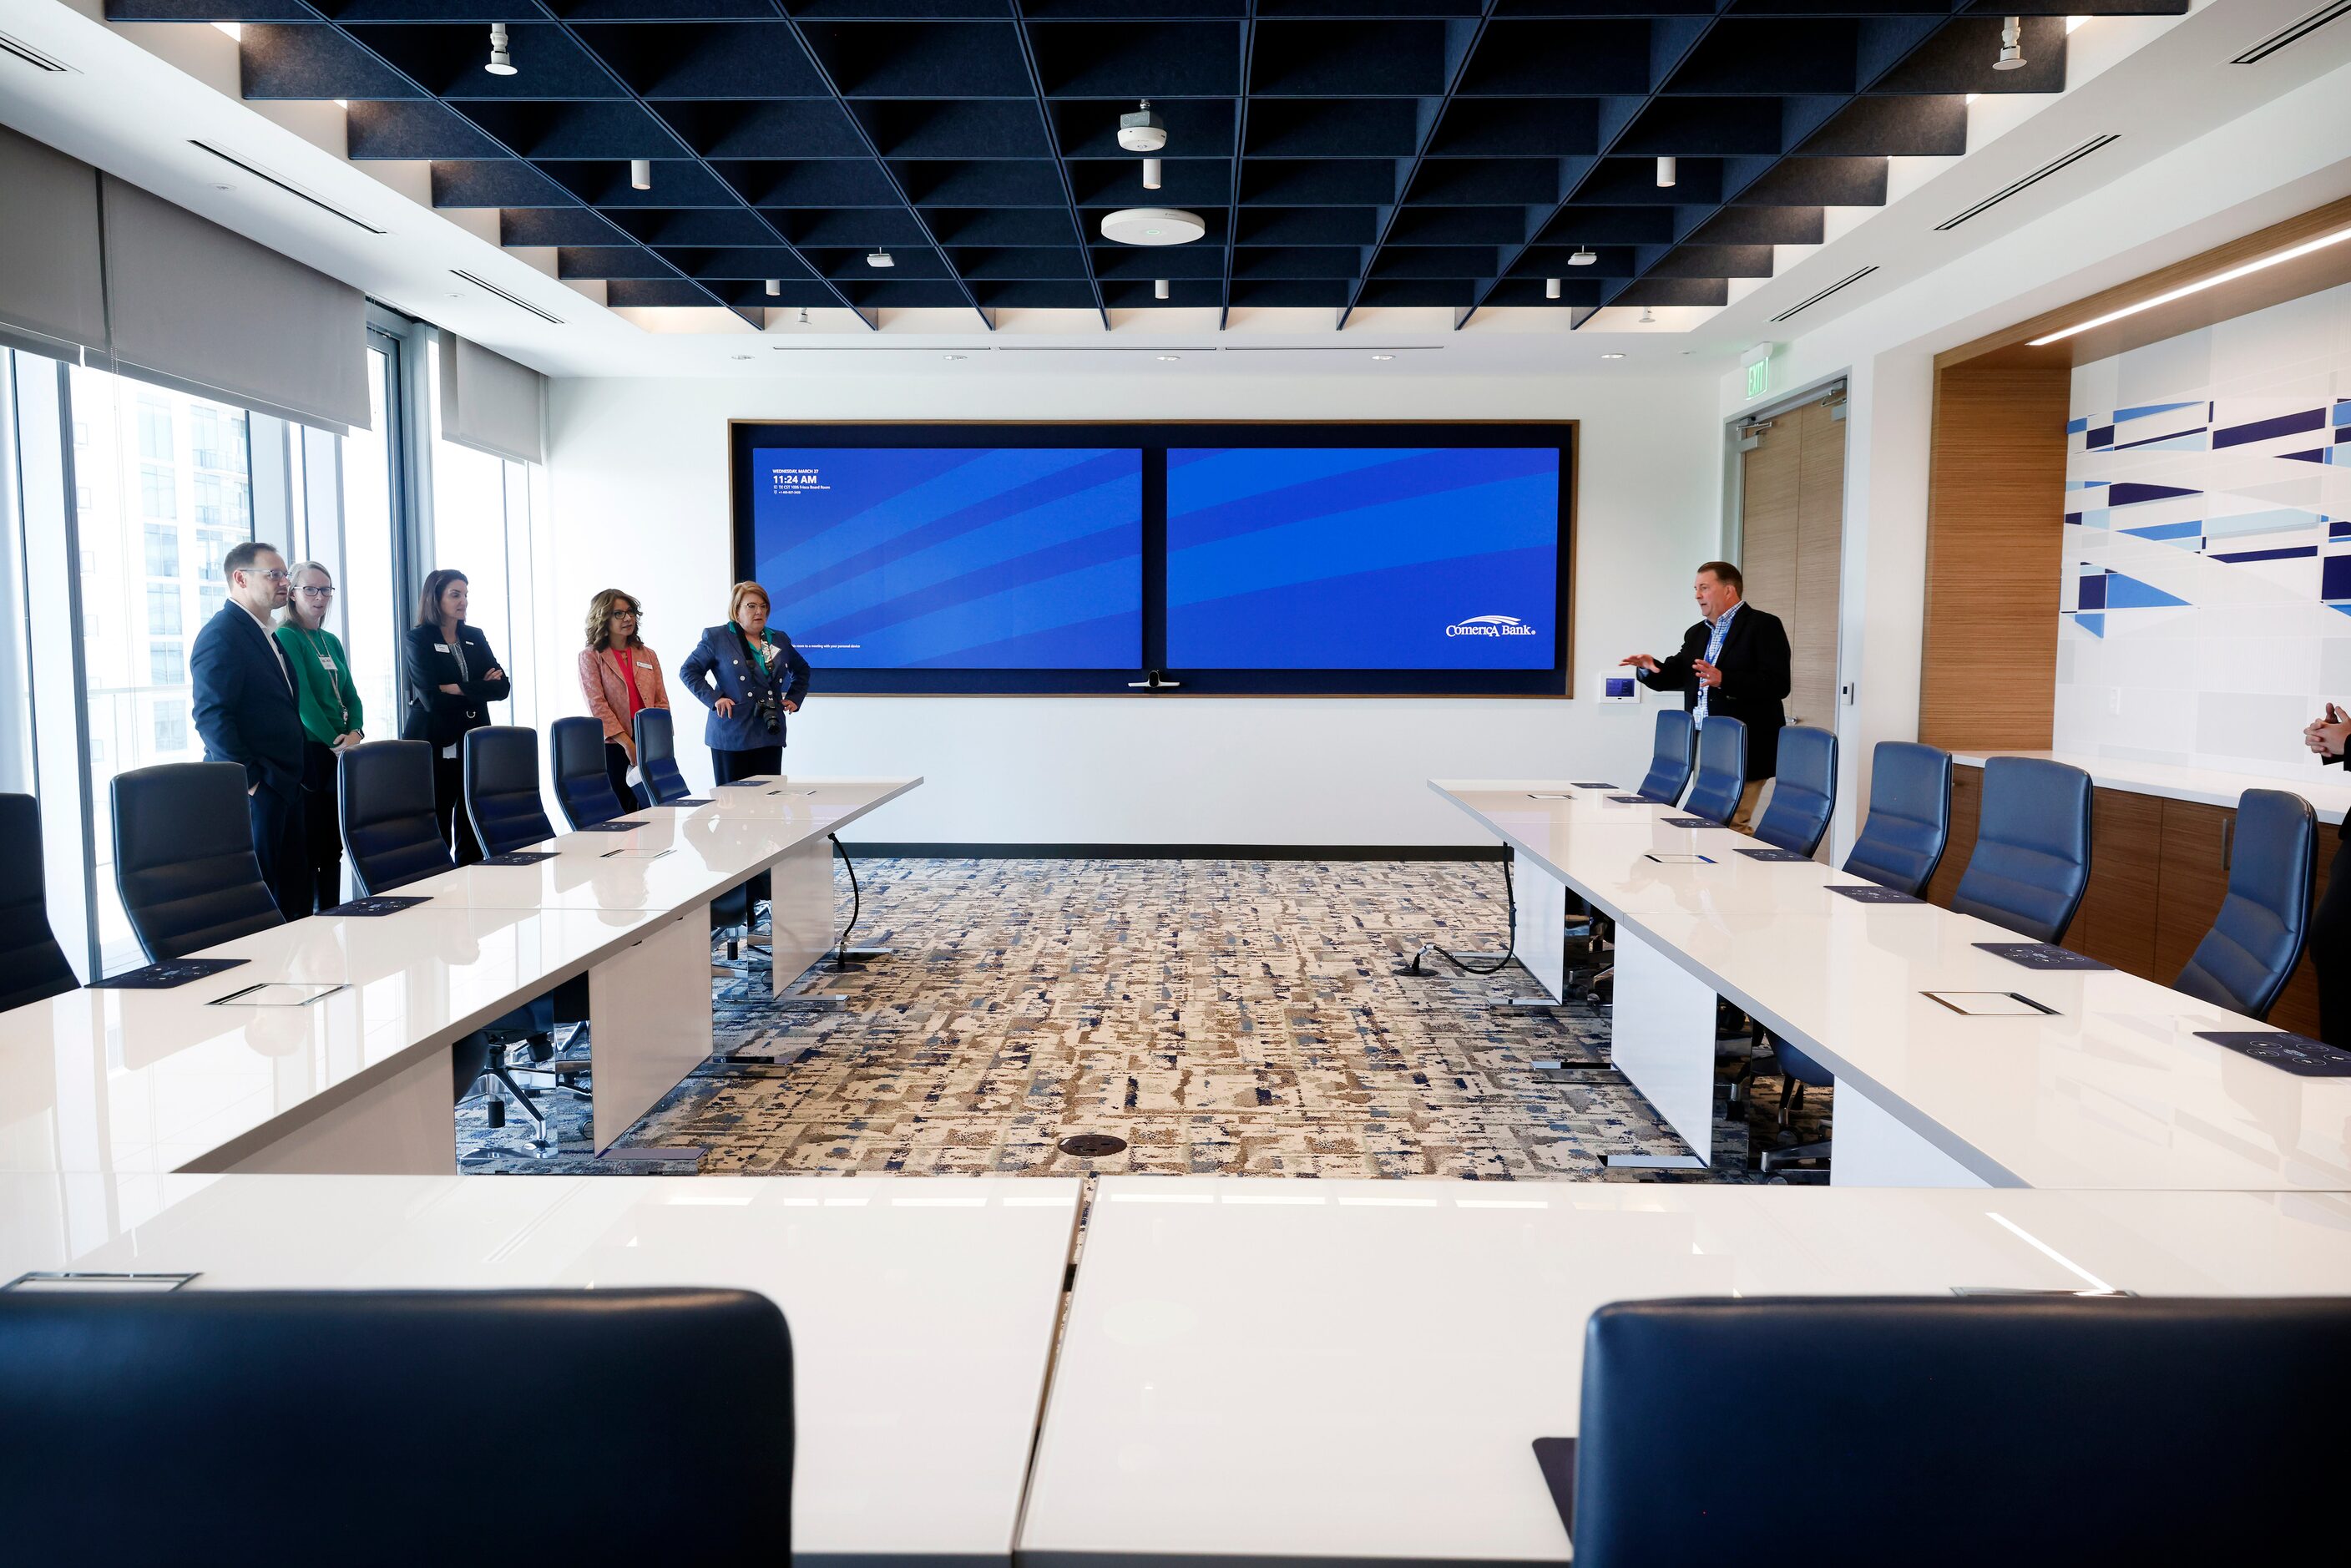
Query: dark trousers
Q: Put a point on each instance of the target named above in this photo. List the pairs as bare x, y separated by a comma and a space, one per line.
754, 763
277, 845
322, 825
2330, 951
449, 805
616, 768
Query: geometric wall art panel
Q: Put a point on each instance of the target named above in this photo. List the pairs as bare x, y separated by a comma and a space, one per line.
2208, 528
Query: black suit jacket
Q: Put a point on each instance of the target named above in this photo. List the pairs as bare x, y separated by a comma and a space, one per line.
439, 717
1755, 681
244, 706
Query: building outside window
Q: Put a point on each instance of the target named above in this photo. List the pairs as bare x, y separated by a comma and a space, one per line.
155, 431
210, 597
171, 728
162, 551
158, 494
163, 610
166, 664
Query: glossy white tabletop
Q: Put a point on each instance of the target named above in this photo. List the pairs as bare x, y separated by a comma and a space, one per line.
922, 1311
2112, 1091
1354, 1370
2328, 789
673, 857
146, 1080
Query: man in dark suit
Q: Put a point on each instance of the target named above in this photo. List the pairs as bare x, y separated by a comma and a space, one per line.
247, 711
1733, 663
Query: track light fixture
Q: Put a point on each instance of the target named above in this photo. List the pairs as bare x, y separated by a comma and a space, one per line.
775, 287
1551, 289
1665, 173
1583, 257
1159, 288
804, 320
501, 61
1150, 173
641, 174
2011, 45
1648, 316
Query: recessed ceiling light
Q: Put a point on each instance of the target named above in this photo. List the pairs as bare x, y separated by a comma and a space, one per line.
1171, 356
2337, 237
951, 356
1611, 355
501, 59
2011, 45
1383, 356
881, 258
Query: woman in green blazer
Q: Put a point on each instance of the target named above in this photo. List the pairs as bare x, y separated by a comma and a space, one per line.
329, 701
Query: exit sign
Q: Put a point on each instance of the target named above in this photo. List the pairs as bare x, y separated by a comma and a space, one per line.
1758, 360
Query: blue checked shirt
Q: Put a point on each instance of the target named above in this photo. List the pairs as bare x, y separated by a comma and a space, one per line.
1713, 656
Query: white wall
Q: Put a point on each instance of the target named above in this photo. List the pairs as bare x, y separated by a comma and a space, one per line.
639, 499
2265, 166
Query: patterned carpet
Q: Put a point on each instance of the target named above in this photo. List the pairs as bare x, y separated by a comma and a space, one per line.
1221, 1016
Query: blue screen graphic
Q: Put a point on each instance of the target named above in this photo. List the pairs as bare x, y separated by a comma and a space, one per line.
1362, 559
995, 559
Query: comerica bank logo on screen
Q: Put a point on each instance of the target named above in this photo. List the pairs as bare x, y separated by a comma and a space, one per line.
1491, 626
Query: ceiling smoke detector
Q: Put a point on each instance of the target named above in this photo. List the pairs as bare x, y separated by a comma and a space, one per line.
1142, 131
1153, 226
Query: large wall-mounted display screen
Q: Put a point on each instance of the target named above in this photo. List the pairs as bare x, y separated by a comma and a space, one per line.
953, 557
1362, 558
1287, 557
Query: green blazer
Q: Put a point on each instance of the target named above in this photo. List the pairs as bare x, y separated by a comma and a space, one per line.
325, 695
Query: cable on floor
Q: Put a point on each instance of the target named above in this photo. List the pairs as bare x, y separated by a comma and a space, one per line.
856, 903
1510, 896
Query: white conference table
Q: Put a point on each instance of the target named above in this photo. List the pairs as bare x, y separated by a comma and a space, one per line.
2109, 1087
357, 1081
922, 1311
1311, 1372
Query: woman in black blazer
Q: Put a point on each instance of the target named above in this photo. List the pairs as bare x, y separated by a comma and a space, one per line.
2330, 926
453, 678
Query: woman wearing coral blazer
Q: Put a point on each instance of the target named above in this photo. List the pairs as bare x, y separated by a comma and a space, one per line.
620, 676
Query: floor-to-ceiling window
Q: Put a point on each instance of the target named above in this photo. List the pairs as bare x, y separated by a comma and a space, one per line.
119, 502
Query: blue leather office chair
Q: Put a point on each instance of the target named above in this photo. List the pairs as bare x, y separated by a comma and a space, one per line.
361, 1403
502, 797
1950, 1430
1669, 758
392, 837
2032, 860
583, 788
2245, 960
1721, 769
1909, 822
390, 834
33, 968
1803, 795
657, 757
183, 858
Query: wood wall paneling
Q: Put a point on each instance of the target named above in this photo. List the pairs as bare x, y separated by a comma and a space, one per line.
2297, 1005
2117, 918
1995, 549
1820, 550
1966, 806
2195, 879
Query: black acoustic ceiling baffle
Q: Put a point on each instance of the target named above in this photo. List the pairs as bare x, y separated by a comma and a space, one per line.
1344, 153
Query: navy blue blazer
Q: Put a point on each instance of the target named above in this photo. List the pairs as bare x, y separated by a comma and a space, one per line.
719, 657
244, 707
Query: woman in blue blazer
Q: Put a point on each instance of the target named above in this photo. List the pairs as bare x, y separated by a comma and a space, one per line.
750, 676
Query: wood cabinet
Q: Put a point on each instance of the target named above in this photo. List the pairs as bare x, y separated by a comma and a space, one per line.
2158, 871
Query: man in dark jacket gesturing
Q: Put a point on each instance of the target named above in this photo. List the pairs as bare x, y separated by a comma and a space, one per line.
1733, 663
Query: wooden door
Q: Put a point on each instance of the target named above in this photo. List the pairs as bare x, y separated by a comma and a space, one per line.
1792, 541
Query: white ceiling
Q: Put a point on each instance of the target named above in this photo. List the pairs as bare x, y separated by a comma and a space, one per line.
137, 96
